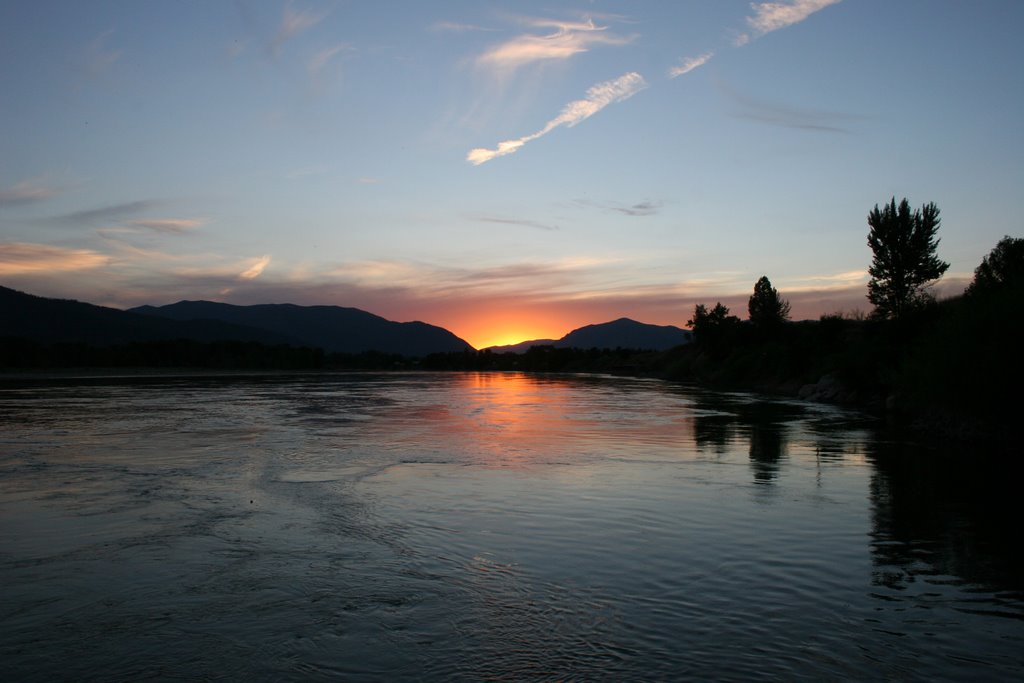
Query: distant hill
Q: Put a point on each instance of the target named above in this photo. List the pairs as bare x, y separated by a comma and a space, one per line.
523, 347
622, 333
56, 321
332, 328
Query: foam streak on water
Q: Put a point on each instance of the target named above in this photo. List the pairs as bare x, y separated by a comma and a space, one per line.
485, 527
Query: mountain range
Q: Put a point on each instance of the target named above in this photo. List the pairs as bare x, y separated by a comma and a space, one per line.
58, 321
331, 328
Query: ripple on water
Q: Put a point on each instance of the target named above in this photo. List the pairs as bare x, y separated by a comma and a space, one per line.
468, 527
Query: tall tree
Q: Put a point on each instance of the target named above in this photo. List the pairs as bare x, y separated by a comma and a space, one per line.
766, 308
1002, 269
904, 244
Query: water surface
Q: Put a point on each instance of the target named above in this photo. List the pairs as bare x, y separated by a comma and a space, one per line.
488, 527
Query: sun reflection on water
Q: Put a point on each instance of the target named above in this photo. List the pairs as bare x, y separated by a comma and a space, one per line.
512, 419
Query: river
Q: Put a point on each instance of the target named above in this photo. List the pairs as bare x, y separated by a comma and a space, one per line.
474, 526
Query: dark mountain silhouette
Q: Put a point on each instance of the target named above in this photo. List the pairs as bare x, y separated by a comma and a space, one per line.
523, 347
332, 328
627, 334
622, 333
58, 321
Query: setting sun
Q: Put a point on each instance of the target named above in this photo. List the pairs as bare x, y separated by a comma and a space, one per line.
501, 322
503, 335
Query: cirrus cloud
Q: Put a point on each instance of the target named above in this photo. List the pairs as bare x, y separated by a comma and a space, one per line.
98, 57
22, 258
598, 97
292, 24
517, 221
254, 271
771, 16
173, 226
25, 192
689, 64
103, 214
569, 38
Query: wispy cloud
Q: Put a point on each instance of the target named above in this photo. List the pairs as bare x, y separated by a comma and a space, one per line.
292, 24
25, 192
98, 57
254, 271
379, 272
456, 27
126, 254
173, 226
568, 38
537, 278
307, 171
787, 116
771, 16
322, 58
530, 280
598, 97
644, 208
512, 274
825, 282
640, 209
103, 214
517, 221
444, 281
21, 258
688, 64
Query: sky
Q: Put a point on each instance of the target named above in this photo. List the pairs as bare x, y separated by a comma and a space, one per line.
507, 170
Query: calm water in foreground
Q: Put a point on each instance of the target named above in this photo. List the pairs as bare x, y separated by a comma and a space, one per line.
488, 527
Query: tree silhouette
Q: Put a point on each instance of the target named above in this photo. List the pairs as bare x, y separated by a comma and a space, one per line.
705, 319
1002, 269
903, 243
711, 326
767, 309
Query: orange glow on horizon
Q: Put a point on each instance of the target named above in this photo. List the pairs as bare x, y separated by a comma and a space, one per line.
510, 320
508, 336
507, 320
483, 326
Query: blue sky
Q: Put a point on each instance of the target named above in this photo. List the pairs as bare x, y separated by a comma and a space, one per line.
506, 169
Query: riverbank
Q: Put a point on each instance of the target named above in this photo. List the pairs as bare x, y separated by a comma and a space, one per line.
951, 370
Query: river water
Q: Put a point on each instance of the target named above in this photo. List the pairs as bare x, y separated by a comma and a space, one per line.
489, 527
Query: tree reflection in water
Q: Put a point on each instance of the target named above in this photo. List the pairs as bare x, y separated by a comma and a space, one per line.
939, 517
724, 419
940, 514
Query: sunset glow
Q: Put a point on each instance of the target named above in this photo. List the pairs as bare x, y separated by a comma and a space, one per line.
502, 328
508, 171
504, 339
